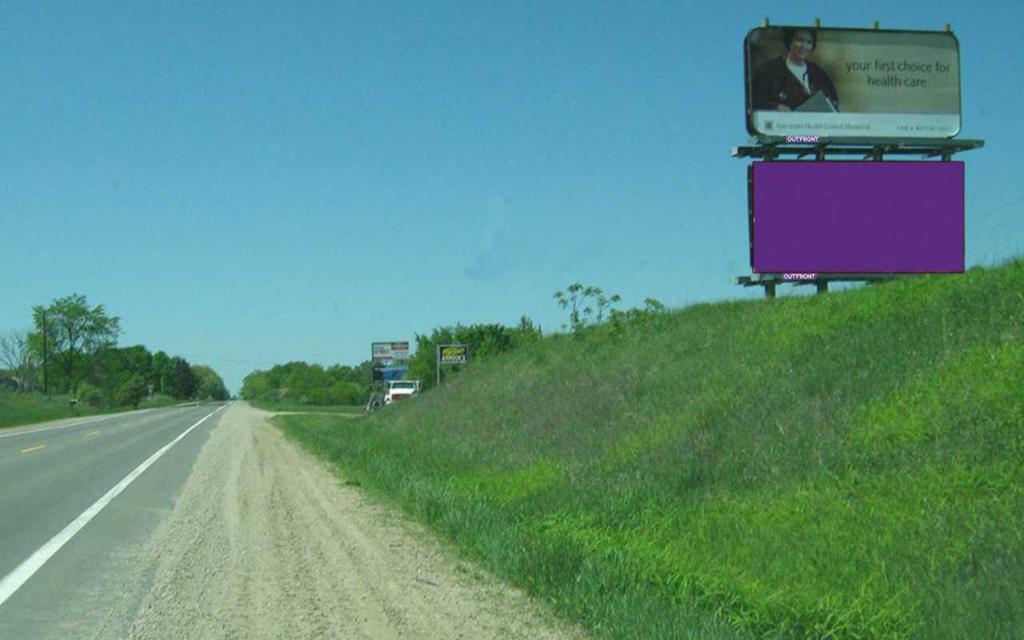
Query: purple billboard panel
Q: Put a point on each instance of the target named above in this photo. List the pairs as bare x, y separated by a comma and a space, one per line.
857, 217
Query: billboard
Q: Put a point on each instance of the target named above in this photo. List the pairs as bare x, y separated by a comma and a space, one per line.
386, 353
852, 82
857, 217
452, 353
390, 360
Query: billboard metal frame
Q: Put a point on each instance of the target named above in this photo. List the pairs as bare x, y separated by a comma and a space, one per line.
770, 148
820, 280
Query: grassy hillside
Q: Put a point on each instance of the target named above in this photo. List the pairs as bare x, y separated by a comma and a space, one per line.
27, 408
842, 466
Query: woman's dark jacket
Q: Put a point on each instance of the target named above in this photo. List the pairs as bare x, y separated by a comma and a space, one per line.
774, 84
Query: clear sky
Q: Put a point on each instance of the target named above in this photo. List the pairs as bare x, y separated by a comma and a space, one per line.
250, 183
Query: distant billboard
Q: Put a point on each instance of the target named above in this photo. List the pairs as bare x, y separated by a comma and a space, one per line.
857, 217
852, 82
390, 360
386, 353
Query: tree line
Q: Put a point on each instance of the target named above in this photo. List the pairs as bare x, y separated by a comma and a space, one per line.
483, 340
312, 384
589, 309
72, 350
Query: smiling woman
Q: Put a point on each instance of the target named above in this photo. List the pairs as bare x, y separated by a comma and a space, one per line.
787, 83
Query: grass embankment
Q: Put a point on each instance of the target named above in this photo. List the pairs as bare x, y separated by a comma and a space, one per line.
288, 405
840, 466
28, 408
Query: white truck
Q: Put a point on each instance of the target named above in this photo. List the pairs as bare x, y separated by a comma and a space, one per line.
400, 390
395, 390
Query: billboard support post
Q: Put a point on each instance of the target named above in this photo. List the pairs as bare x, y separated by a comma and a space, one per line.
451, 354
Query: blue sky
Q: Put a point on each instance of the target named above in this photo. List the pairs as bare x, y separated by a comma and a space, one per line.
247, 184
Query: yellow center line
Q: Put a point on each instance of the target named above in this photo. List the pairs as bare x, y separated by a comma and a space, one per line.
35, 448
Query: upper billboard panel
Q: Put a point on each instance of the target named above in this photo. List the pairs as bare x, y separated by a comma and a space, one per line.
387, 353
855, 83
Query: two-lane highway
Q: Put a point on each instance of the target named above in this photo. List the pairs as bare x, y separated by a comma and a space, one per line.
74, 498
233, 532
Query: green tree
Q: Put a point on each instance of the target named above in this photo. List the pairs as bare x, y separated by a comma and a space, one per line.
310, 383
525, 332
161, 373
184, 382
257, 386
210, 385
423, 363
17, 357
303, 381
586, 305
111, 367
72, 330
484, 340
132, 390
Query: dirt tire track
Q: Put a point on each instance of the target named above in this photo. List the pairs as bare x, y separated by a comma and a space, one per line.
264, 542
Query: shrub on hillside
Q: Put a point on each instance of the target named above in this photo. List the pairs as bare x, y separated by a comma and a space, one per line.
132, 391
90, 396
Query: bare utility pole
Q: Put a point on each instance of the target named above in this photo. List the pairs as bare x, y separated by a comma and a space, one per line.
46, 385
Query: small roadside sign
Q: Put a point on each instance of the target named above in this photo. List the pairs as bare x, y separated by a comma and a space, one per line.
453, 353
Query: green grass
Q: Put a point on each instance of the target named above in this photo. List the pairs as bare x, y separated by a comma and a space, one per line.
289, 405
28, 408
839, 466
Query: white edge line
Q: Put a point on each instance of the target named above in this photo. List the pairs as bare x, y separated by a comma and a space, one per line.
15, 579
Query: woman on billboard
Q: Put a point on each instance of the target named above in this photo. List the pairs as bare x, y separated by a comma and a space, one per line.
793, 82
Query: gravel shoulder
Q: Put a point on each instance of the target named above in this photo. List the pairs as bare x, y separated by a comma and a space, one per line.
265, 542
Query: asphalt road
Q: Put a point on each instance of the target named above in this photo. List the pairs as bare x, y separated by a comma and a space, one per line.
52, 480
